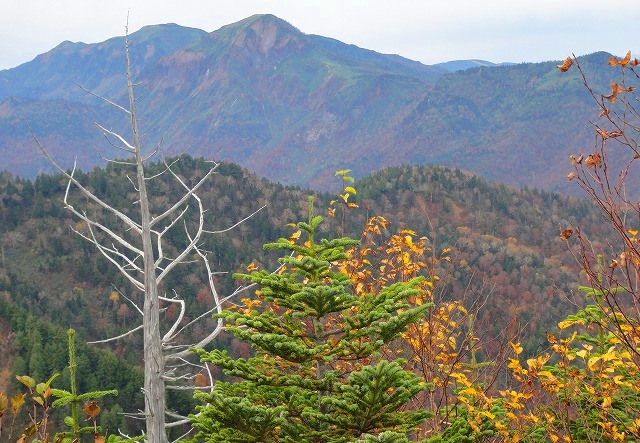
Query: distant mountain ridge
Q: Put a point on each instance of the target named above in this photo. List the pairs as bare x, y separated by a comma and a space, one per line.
461, 65
295, 107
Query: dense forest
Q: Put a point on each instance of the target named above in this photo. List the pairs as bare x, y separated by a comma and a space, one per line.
505, 255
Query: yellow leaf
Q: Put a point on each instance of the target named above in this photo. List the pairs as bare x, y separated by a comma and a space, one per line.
516, 348
350, 189
582, 353
16, 402
488, 415
606, 402
26, 380
513, 363
566, 323
468, 391
295, 236
633, 232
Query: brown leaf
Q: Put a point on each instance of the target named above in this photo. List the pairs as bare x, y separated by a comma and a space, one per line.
626, 59
571, 176
566, 64
616, 89
593, 160
634, 62
91, 408
566, 234
201, 380
602, 133
613, 61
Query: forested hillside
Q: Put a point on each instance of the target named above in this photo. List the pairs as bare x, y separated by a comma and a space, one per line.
506, 250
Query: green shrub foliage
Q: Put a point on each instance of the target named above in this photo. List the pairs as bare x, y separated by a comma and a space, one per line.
316, 375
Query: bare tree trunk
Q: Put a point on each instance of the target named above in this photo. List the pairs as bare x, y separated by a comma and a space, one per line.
144, 265
154, 390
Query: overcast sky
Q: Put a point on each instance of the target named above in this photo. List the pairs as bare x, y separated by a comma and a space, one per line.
429, 31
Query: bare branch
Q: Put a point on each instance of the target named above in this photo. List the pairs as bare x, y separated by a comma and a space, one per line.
137, 328
110, 160
102, 98
165, 170
173, 328
88, 193
129, 300
236, 224
160, 234
196, 238
128, 147
185, 197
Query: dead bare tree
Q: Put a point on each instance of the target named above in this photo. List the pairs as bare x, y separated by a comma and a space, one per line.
137, 248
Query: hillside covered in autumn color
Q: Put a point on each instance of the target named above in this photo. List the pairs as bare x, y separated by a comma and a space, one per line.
506, 252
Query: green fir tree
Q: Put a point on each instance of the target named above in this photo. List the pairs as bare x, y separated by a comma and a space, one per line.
316, 375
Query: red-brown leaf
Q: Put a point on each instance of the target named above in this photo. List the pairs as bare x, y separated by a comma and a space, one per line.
566, 64
626, 59
593, 160
566, 234
91, 408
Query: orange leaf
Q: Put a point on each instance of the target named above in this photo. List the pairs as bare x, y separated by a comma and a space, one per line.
613, 61
91, 408
616, 89
566, 234
593, 160
566, 64
201, 379
626, 59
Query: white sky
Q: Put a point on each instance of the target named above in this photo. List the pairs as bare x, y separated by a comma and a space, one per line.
429, 31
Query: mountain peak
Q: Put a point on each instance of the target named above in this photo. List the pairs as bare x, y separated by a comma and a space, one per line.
263, 33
